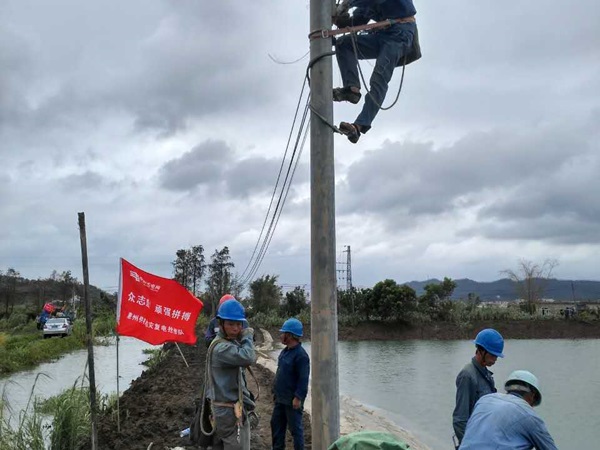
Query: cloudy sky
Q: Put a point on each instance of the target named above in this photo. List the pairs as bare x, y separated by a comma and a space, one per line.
166, 121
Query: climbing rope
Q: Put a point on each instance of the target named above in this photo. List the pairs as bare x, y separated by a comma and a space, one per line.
362, 77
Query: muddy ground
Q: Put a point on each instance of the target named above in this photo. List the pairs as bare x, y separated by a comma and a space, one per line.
160, 403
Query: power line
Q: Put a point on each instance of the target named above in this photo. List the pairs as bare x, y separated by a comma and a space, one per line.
264, 238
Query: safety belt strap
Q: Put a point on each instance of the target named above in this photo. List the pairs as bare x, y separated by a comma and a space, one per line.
324, 34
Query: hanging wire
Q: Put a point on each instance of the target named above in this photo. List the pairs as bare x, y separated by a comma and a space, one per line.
242, 276
362, 77
278, 61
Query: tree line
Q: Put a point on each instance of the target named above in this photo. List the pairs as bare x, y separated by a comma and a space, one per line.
63, 286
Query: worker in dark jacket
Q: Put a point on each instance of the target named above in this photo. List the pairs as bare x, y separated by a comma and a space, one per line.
290, 387
475, 380
393, 46
213, 326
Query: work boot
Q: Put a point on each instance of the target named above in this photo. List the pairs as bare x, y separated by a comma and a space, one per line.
346, 94
351, 131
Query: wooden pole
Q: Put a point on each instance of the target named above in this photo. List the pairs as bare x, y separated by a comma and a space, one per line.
324, 352
88, 327
118, 390
181, 353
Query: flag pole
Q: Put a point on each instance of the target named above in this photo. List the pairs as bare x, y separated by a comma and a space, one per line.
181, 353
118, 391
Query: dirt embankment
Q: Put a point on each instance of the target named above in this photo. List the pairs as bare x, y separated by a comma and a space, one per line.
518, 329
160, 403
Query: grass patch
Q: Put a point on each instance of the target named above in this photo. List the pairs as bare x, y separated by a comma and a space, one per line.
29, 432
27, 348
157, 355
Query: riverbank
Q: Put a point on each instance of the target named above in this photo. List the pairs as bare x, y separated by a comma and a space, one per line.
516, 329
24, 347
160, 403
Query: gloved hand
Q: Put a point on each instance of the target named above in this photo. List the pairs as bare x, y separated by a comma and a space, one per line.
342, 21
247, 332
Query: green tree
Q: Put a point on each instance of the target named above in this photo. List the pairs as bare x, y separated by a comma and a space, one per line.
393, 300
265, 294
363, 303
67, 284
197, 267
189, 268
220, 279
8, 289
295, 302
435, 302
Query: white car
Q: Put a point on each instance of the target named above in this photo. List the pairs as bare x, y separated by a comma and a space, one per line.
57, 327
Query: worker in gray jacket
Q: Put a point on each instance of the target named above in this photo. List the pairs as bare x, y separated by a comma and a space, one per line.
475, 380
231, 352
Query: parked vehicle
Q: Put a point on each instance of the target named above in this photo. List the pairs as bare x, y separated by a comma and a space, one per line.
57, 327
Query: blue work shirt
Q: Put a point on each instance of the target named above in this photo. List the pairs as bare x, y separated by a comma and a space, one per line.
506, 422
211, 331
379, 10
473, 382
291, 379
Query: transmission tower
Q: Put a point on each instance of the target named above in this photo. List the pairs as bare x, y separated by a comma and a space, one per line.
348, 269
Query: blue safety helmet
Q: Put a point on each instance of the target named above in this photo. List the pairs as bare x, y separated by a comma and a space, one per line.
293, 326
491, 341
231, 310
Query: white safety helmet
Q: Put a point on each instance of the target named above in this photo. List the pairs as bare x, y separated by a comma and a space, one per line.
524, 376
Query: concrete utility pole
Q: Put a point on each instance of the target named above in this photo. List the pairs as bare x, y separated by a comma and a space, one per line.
324, 350
88, 327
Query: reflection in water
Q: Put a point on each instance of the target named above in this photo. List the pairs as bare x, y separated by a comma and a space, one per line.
69, 369
413, 382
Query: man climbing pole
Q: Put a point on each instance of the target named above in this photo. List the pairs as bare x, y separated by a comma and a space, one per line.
393, 46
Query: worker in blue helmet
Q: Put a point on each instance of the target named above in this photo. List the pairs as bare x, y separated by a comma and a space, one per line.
229, 354
508, 420
290, 387
475, 380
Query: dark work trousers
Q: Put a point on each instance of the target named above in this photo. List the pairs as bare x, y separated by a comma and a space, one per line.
388, 48
283, 417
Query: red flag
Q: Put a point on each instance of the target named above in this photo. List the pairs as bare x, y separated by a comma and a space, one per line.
155, 309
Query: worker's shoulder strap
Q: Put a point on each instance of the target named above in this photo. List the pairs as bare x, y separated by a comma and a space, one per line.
251, 372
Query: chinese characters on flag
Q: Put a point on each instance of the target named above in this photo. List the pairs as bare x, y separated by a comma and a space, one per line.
155, 309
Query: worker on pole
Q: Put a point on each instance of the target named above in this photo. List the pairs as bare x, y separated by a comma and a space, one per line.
393, 46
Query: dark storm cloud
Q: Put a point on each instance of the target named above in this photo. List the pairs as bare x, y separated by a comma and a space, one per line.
214, 165
203, 165
257, 174
84, 181
16, 63
508, 176
178, 64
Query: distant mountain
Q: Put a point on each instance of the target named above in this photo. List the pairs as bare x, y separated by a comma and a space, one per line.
505, 289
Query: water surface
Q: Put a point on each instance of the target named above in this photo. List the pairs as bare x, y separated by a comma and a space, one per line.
413, 383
